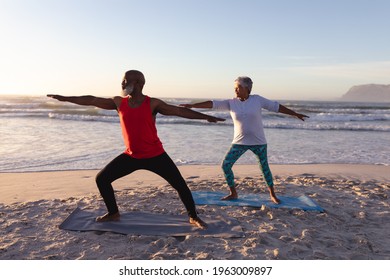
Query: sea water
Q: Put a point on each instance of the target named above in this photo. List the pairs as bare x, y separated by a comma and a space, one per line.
42, 134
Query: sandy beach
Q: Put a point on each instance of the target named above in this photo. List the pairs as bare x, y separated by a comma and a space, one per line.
355, 224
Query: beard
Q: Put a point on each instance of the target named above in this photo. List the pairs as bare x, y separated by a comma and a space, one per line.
127, 90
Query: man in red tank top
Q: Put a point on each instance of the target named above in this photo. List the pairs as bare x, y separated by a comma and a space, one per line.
144, 150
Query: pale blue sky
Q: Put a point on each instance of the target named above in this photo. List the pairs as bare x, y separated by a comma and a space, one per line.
298, 49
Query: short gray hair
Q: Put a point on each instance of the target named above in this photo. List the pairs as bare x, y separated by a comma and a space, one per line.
245, 82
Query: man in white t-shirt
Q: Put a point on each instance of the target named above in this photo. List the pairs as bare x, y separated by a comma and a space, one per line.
245, 110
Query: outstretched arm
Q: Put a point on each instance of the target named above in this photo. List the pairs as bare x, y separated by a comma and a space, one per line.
205, 105
87, 100
287, 111
171, 110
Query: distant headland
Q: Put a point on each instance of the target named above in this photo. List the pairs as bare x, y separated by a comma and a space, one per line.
368, 93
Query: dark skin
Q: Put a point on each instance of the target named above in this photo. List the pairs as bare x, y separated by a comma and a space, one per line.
242, 93
135, 80
135, 100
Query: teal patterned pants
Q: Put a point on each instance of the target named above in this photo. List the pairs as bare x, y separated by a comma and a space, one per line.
236, 151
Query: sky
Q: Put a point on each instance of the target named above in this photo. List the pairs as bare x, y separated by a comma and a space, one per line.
292, 49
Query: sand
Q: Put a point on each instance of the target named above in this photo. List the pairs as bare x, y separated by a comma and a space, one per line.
356, 223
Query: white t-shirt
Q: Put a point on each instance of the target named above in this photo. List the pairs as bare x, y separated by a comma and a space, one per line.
247, 118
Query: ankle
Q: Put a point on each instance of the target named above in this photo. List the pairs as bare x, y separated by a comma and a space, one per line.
233, 191
108, 217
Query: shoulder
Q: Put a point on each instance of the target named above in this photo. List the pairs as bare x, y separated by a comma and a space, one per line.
222, 104
157, 105
153, 99
256, 97
259, 98
155, 102
268, 104
118, 100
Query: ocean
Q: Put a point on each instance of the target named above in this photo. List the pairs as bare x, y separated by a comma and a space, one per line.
42, 134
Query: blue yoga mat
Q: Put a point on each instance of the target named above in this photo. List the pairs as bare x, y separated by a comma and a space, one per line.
255, 200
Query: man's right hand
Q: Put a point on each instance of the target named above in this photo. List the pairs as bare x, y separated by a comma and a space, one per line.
55, 96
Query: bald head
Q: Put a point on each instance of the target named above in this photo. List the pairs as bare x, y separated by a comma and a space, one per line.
135, 78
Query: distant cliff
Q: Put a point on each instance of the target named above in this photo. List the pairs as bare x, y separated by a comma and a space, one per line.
368, 93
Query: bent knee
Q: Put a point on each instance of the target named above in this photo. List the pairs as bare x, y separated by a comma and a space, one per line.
226, 166
100, 179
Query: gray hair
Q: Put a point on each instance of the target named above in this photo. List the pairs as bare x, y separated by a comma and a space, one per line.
245, 82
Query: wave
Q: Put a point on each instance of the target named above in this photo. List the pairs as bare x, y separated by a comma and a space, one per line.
331, 117
271, 124
319, 122
323, 115
83, 117
94, 112
330, 126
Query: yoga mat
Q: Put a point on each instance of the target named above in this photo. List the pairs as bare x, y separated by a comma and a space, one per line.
143, 223
255, 200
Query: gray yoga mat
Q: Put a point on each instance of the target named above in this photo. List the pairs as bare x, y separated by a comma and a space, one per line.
142, 223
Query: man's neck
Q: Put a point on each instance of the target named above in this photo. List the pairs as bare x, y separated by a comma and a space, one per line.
135, 100
136, 95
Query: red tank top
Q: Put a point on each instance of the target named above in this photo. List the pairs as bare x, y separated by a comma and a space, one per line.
139, 130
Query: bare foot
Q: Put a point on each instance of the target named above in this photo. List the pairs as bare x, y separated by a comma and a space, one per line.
198, 223
230, 197
275, 199
108, 218
233, 195
273, 195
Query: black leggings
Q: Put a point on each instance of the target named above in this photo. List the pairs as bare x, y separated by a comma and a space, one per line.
161, 165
